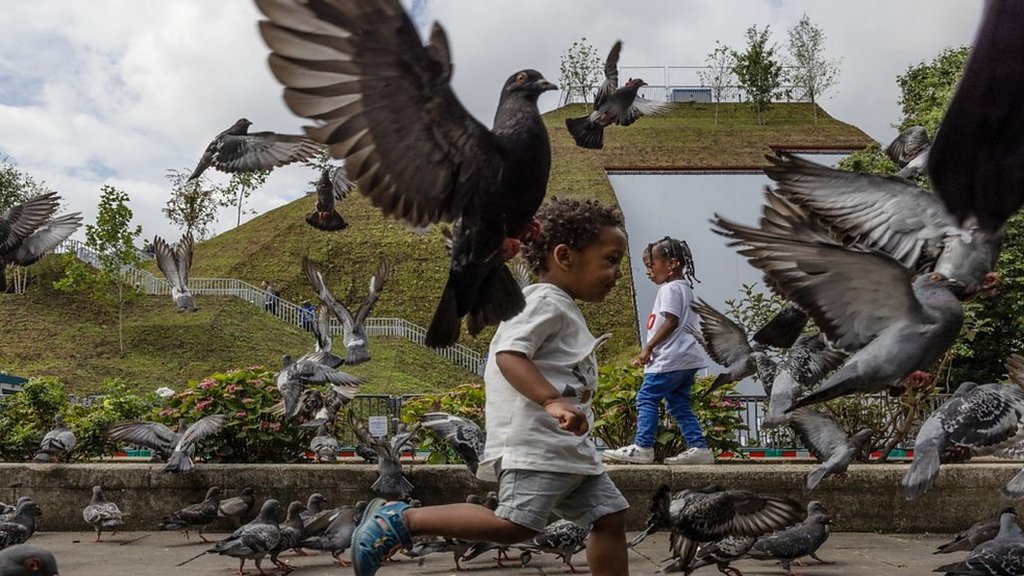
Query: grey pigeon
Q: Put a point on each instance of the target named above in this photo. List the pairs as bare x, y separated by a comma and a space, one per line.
180, 461
332, 187
327, 412
57, 443
822, 435
27, 232
324, 445
864, 302
291, 534
794, 542
463, 436
726, 343
976, 163
153, 435
613, 105
101, 513
254, 540
357, 343
7, 510
323, 353
338, 536
175, 262
238, 506
313, 508
491, 503
367, 453
806, 362
26, 560
722, 553
391, 484
562, 538
983, 418
1000, 556
236, 150
199, 515
712, 513
296, 375
384, 103
909, 151
893, 216
21, 526
978, 533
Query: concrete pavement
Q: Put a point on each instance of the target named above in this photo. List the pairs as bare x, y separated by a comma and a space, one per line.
158, 553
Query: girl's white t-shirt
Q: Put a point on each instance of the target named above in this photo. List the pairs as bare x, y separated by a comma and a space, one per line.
680, 351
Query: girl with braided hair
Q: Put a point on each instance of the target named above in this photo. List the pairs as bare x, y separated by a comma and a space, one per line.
671, 358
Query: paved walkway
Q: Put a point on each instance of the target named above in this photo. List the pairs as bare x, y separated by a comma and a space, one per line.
157, 553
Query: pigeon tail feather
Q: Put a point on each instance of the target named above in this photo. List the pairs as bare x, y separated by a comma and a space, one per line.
179, 463
923, 471
1014, 489
445, 326
501, 298
814, 478
587, 134
332, 222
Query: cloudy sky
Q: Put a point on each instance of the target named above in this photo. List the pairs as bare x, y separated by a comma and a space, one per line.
118, 91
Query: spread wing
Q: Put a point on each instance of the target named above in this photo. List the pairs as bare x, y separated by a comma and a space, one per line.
262, 151
725, 341
167, 262
643, 107
611, 76
376, 286
21, 220
316, 280
149, 434
383, 102
908, 145
205, 426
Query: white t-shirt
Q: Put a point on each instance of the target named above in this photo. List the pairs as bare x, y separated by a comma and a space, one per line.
680, 350
550, 331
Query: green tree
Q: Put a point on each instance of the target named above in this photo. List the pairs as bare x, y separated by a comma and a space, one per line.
239, 188
719, 76
113, 239
758, 71
192, 205
812, 73
927, 88
580, 71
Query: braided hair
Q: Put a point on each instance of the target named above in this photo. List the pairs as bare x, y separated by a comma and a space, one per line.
669, 248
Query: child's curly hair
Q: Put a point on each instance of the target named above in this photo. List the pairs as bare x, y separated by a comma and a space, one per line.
571, 222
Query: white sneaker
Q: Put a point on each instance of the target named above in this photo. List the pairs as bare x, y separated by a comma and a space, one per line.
632, 454
692, 456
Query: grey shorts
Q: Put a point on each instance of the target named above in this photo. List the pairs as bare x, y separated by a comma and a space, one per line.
528, 497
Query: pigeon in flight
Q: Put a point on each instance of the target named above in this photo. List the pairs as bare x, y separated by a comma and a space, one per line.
726, 343
909, 151
57, 444
152, 435
464, 436
357, 343
175, 262
331, 188
384, 103
324, 445
181, 459
296, 375
236, 150
826, 439
613, 105
26, 560
806, 362
101, 513
27, 232
391, 484
976, 163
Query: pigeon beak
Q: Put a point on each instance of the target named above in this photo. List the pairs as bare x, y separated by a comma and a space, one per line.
543, 85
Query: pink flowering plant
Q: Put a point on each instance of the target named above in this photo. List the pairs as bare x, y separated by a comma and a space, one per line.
253, 432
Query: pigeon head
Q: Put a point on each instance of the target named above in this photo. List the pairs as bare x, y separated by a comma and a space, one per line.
294, 509
29, 508
241, 126
529, 83
861, 438
315, 499
58, 420
815, 507
937, 290
635, 83
214, 491
269, 511
30, 560
248, 491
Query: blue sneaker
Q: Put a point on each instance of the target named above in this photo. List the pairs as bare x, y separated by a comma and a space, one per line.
379, 533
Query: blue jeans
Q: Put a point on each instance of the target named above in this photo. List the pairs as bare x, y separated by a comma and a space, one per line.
674, 387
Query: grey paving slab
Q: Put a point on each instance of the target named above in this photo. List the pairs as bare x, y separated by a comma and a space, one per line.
158, 553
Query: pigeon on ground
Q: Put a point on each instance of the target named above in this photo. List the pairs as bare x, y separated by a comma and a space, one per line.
239, 506
463, 436
338, 536
490, 501
976, 163
822, 435
57, 443
7, 510
806, 362
331, 188
27, 232
26, 560
175, 262
909, 151
296, 375
201, 515
974, 536
324, 445
726, 343
152, 435
252, 541
863, 301
392, 484
794, 542
180, 461
101, 513
357, 343
1002, 555
313, 508
712, 513
21, 526
291, 534
722, 553
561, 537
984, 418
384, 103
236, 150
612, 105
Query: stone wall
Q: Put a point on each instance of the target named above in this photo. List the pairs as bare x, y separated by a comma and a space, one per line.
867, 500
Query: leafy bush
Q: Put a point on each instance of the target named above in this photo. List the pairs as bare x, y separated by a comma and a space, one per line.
615, 414
252, 433
466, 401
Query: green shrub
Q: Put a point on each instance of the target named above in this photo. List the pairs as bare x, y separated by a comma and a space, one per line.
466, 401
